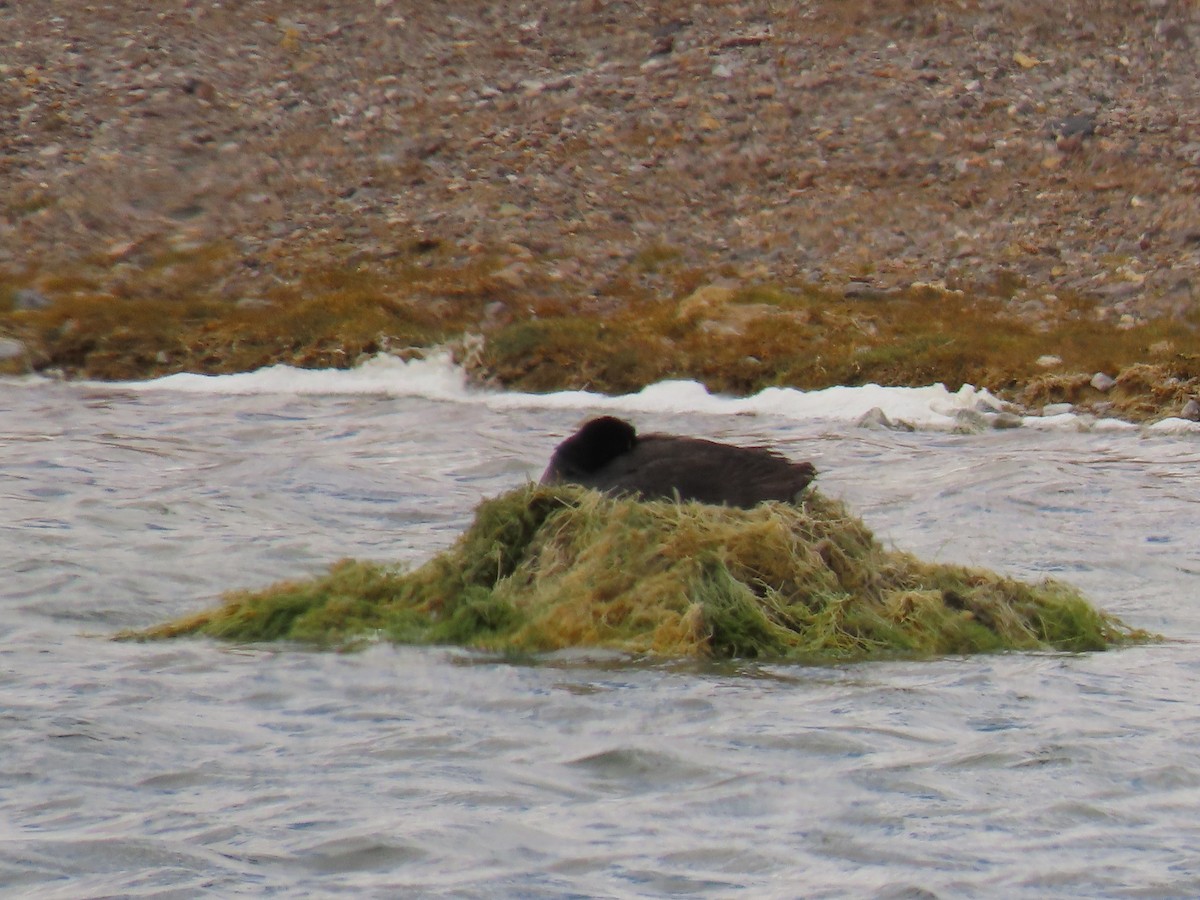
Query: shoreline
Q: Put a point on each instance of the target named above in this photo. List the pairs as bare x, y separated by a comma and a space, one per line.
436, 374
744, 194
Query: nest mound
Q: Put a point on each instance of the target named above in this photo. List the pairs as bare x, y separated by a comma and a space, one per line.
547, 568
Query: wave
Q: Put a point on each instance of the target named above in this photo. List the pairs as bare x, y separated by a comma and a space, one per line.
437, 377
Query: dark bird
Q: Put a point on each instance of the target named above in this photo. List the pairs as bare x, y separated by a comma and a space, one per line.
607, 454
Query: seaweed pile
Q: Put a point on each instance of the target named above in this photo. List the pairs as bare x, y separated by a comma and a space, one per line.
547, 568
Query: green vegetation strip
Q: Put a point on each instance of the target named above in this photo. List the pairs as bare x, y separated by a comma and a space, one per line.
544, 569
182, 311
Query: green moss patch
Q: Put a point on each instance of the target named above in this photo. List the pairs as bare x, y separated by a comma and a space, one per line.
544, 569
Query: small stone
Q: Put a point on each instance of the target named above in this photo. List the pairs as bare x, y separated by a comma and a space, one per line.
1056, 409
1007, 420
120, 250
988, 405
1071, 126
857, 290
1025, 61
200, 89
663, 45
11, 349
30, 298
1191, 410
1069, 145
877, 420
1103, 383
253, 303
969, 421
1170, 32
495, 311
874, 418
977, 143
512, 276
1049, 361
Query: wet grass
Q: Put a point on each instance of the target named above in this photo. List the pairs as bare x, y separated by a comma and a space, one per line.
806, 338
544, 569
179, 310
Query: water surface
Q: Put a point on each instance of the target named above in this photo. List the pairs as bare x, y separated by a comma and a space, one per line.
188, 768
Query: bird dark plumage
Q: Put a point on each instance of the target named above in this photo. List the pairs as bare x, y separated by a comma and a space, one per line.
607, 454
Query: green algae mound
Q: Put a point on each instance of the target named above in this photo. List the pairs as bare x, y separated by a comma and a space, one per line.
547, 568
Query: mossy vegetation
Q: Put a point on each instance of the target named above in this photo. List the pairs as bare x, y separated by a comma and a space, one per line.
543, 569
172, 310
177, 311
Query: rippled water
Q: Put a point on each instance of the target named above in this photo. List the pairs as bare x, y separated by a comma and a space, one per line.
193, 768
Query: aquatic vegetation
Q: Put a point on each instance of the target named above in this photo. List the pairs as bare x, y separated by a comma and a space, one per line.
547, 568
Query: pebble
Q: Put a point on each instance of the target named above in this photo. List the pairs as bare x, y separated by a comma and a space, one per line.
876, 419
857, 290
1102, 382
253, 303
1049, 361
1056, 409
1007, 420
11, 349
969, 421
1071, 126
30, 298
1191, 410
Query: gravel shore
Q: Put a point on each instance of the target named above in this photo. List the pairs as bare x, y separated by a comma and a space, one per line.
1013, 148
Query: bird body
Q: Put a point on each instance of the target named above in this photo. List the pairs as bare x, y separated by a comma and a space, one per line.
608, 455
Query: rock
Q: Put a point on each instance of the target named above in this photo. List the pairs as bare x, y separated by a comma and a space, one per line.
988, 405
1007, 420
969, 421
876, 419
512, 276
253, 303
11, 349
1172, 33
30, 298
1072, 126
200, 89
1191, 410
857, 290
1056, 409
1049, 361
1103, 383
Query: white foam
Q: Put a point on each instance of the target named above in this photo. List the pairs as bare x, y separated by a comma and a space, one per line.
437, 377
1174, 426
